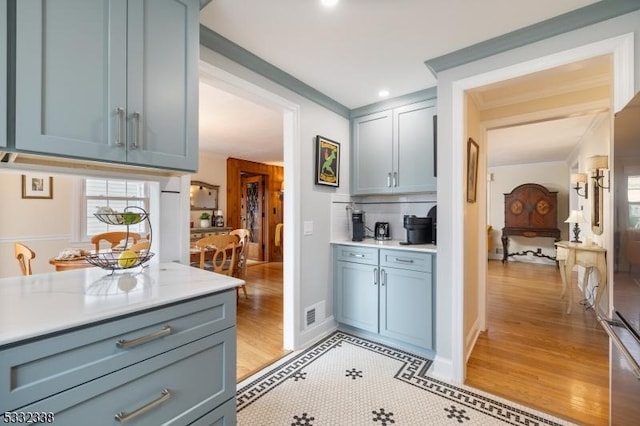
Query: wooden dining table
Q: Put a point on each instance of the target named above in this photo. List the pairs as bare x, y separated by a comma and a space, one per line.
68, 264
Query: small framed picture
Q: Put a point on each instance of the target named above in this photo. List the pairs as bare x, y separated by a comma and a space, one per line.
327, 162
37, 186
472, 170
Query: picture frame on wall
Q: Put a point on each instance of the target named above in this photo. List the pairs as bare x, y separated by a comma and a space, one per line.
472, 170
36, 186
327, 162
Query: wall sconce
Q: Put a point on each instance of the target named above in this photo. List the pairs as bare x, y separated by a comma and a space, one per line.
576, 217
595, 164
577, 179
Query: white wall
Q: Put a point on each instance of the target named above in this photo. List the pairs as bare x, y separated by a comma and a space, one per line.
307, 260
44, 225
451, 86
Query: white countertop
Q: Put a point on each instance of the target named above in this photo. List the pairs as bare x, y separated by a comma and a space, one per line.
388, 244
39, 304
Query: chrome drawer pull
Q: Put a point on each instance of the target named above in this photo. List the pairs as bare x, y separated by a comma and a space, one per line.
375, 276
389, 180
356, 255
126, 344
404, 260
123, 417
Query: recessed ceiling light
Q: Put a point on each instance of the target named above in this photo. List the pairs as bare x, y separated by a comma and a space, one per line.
383, 93
329, 3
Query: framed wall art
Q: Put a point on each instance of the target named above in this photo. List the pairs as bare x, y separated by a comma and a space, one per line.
472, 170
37, 186
327, 162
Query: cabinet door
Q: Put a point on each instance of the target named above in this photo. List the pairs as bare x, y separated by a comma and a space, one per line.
406, 312
162, 97
372, 161
70, 77
3, 73
414, 153
356, 295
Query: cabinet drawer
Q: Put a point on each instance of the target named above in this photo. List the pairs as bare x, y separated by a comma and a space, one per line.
36, 370
412, 260
366, 255
198, 377
225, 415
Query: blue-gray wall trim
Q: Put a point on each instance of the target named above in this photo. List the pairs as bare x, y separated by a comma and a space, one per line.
399, 101
214, 41
588, 15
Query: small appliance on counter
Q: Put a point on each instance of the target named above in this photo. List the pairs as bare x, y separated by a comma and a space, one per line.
421, 230
382, 231
357, 222
418, 229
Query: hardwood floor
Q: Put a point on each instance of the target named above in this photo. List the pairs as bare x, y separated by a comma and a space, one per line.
535, 354
260, 319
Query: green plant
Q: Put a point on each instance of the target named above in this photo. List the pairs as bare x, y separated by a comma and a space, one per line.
205, 216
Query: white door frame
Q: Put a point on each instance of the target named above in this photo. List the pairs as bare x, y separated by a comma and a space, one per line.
291, 133
622, 50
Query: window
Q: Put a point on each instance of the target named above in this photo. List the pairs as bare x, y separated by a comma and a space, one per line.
633, 197
116, 194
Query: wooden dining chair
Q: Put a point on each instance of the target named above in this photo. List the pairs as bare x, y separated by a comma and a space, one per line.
24, 255
241, 261
222, 251
113, 238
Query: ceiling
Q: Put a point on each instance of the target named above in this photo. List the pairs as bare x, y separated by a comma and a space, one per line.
359, 47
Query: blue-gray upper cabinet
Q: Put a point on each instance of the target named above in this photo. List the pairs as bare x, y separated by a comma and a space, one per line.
113, 81
3, 73
394, 151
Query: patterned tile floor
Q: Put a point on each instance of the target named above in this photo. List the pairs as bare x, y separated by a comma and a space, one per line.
346, 380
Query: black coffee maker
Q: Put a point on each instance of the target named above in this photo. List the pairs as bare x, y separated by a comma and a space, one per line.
357, 225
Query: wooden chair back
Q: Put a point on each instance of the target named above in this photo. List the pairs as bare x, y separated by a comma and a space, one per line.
241, 262
113, 238
24, 255
222, 250
140, 246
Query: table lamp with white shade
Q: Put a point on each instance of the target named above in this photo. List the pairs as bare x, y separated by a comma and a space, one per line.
576, 217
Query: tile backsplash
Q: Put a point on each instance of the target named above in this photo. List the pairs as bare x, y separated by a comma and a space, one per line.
388, 208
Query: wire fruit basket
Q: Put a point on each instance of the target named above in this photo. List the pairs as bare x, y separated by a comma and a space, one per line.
124, 257
121, 259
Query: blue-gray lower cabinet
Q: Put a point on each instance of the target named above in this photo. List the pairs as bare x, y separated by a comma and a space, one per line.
3, 73
388, 292
129, 370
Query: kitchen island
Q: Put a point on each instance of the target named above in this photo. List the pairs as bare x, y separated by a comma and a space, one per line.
153, 345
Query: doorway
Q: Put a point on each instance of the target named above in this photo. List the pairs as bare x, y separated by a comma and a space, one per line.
252, 214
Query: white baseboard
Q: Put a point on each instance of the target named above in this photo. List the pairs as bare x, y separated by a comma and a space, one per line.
471, 339
442, 368
316, 333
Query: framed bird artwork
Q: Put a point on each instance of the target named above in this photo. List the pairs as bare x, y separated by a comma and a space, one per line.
327, 162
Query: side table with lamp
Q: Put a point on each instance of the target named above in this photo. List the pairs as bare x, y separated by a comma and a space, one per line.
587, 255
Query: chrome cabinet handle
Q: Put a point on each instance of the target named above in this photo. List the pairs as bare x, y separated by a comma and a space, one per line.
401, 260
635, 368
383, 277
127, 344
120, 130
375, 276
123, 417
389, 180
136, 130
356, 255
395, 179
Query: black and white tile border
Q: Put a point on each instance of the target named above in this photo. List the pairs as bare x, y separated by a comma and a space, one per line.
413, 371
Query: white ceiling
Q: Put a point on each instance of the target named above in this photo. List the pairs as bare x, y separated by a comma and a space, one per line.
357, 48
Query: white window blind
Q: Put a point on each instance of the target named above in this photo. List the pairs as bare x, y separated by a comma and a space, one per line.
116, 194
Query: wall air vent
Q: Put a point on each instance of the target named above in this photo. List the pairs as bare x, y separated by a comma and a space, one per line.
313, 314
